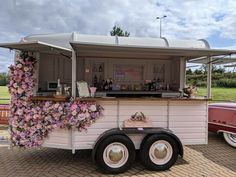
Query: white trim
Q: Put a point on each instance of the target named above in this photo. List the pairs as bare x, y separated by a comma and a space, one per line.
209, 73
225, 125
182, 67
223, 131
13, 45
161, 50
219, 107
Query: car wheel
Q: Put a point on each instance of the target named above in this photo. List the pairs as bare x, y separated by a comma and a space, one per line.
115, 154
230, 139
159, 152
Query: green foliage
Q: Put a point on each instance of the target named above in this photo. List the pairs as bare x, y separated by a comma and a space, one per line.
220, 78
189, 71
198, 71
119, 32
226, 82
3, 79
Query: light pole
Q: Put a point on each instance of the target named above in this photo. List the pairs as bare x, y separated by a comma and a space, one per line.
160, 18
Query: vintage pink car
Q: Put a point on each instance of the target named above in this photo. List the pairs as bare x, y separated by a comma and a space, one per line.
222, 119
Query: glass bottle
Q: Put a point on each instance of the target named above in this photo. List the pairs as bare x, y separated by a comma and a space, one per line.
59, 88
100, 68
95, 81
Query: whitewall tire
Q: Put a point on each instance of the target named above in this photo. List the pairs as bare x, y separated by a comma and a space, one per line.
115, 154
230, 138
159, 152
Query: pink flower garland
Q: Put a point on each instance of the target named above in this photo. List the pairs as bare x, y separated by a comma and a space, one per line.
30, 122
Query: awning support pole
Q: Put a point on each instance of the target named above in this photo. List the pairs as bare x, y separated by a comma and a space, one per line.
209, 75
73, 83
182, 73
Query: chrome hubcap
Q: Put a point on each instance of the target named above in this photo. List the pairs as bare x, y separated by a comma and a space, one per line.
115, 155
160, 152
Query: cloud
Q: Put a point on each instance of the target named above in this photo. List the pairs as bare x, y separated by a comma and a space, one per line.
185, 19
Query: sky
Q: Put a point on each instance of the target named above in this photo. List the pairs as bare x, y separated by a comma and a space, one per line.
213, 20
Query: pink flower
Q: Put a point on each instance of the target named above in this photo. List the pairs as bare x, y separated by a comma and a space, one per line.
73, 106
15, 85
93, 108
27, 117
83, 107
26, 69
20, 90
20, 112
56, 105
39, 126
19, 66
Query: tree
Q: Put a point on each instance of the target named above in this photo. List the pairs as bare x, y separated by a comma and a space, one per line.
119, 32
215, 69
198, 71
3, 79
189, 71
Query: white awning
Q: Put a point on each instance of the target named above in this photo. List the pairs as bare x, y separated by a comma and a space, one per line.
143, 52
215, 60
37, 46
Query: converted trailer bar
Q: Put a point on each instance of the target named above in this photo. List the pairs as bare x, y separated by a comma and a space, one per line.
132, 75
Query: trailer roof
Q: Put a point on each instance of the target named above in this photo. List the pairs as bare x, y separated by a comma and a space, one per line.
36, 46
132, 51
152, 52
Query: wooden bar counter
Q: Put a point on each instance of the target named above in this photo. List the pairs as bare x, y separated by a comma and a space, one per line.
64, 99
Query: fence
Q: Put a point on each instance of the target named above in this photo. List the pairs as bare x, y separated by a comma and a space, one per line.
4, 113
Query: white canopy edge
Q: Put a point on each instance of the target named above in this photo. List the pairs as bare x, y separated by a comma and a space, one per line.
91, 49
218, 60
36, 46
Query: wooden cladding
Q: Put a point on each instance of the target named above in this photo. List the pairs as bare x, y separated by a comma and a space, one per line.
4, 114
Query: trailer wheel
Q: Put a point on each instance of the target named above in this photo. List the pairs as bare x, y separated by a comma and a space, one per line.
115, 154
159, 152
230, 139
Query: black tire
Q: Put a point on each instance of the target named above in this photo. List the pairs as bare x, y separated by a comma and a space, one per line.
146, 145
99, 154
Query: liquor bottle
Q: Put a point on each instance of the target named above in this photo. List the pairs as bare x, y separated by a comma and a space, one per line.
59, 88
100, 68
106, 85
110, 84
95, 81
94, 68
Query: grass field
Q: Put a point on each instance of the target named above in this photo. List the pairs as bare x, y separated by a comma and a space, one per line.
4, 95
218, 94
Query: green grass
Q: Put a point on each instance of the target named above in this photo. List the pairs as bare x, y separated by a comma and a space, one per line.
220, 94
4, 95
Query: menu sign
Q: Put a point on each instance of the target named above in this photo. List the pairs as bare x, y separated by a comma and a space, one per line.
83, 89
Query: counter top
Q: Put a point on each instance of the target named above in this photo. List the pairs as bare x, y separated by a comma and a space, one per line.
142, 98
51, 98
